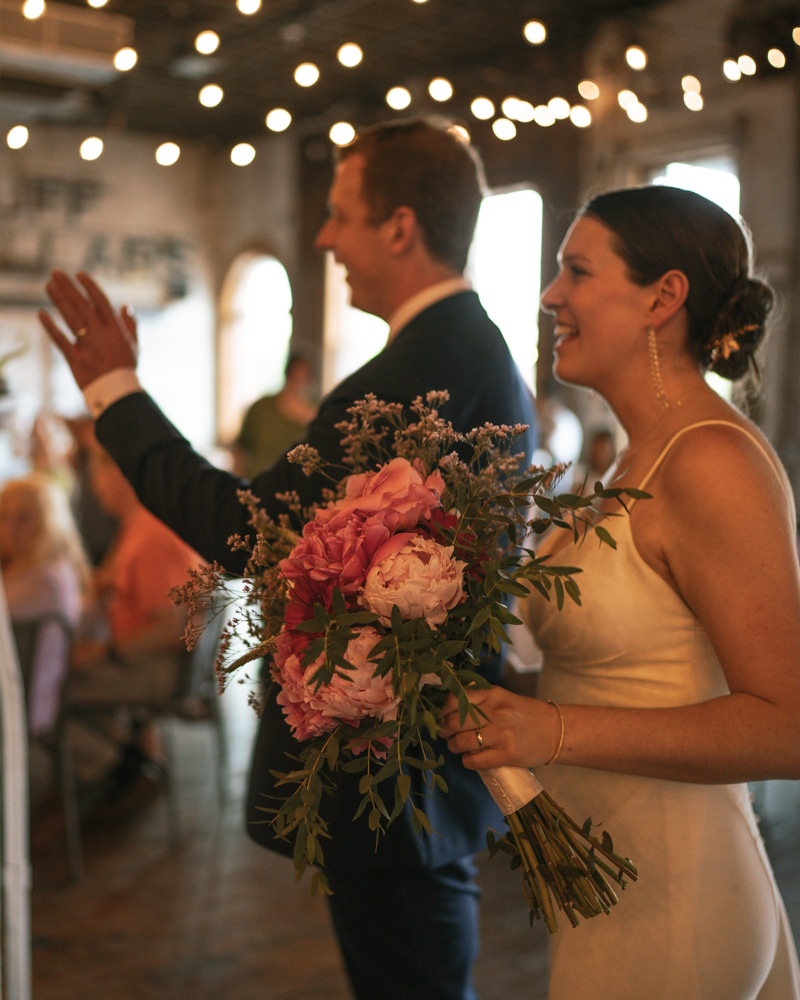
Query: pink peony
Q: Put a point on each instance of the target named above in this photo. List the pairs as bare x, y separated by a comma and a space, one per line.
333, 552
351, 695
396, 494
415, 574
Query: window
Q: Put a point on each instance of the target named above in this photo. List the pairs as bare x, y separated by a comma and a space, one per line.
256, 327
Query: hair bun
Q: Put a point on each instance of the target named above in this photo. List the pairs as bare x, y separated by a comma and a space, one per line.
739, 328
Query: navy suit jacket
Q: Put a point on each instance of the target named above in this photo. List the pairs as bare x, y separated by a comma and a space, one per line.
451, 345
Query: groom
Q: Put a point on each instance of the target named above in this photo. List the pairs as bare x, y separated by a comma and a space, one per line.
403, 207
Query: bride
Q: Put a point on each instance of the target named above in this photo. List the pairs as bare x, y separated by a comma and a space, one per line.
678, 678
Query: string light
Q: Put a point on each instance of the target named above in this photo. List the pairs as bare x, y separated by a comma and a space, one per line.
730, 69
248, 6
97, 3
278, 120
91, 148
398, 98
626, 99
211, 95
207, 42
350, 54
693, 100
242, 154
559, 106
17, 137
776, 58
440, 89
167, 154
796, 36
504, 129
690, 85
33, 9
341, 133
125, 59
482, 108
747, 65
636, 57
306, 74
535, 32
543, 116
580, 116
588, 90
636, 112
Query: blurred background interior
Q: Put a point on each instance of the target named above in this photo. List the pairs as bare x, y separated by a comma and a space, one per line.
181, 151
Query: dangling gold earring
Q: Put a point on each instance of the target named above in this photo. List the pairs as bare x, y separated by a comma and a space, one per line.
655, 368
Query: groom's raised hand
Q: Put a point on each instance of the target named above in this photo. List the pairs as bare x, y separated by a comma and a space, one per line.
102, 339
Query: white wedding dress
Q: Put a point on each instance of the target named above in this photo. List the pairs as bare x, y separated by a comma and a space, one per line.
705, 920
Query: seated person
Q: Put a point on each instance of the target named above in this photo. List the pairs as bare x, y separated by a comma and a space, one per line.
136, 651
45, 574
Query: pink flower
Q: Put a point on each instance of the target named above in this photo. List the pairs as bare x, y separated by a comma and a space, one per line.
351, 696
333, 552
396, 494
415, 574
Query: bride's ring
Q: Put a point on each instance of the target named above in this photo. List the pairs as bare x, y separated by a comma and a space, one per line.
479, 738
81, 333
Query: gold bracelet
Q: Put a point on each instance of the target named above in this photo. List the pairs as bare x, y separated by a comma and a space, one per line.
554, 758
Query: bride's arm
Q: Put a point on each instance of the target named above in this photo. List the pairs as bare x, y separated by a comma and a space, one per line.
727, 528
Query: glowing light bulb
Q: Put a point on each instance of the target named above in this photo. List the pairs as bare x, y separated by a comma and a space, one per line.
278, 120
306, 74
207, 42
693, 100
559, 107
543, 116
91, 148
588, 90
690, 84
398, 98
636, 57
167, 154
341, 133
482, 108
32, 9
627, 98
535, 32
776, 58
211, 95
248, 6
350, 54
242, 154
504, 129
637, 112
747, 65
440, 89
17, 137
125, 59
731, 70
580, 116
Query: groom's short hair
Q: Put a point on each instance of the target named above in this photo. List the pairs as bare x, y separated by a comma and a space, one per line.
429, 167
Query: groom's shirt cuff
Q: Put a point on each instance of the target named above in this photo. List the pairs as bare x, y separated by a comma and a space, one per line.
108, 388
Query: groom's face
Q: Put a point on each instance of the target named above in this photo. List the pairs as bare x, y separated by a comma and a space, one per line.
358, 244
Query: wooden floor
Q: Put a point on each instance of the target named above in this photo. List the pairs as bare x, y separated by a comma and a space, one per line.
218, 918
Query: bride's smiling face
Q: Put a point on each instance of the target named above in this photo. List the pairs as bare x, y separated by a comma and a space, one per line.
601, 315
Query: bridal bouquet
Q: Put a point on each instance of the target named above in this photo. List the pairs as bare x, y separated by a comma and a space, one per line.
386, 601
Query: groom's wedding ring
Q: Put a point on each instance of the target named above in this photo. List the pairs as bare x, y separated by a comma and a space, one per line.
479, 738
81, 333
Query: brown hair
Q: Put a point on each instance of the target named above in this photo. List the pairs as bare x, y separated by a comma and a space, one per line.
659, 228
429, 168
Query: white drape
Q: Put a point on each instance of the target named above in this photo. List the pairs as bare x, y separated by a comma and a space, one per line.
15, 973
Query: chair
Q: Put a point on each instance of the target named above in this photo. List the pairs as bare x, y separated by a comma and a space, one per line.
43, 650
193, 699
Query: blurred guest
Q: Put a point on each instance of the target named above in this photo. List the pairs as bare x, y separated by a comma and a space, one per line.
600, 452
138, 657
45, 575
272, 424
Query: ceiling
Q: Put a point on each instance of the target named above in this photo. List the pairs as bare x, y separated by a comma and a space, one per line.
57, 69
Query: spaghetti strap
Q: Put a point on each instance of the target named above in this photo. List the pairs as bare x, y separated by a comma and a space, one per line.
704, 423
